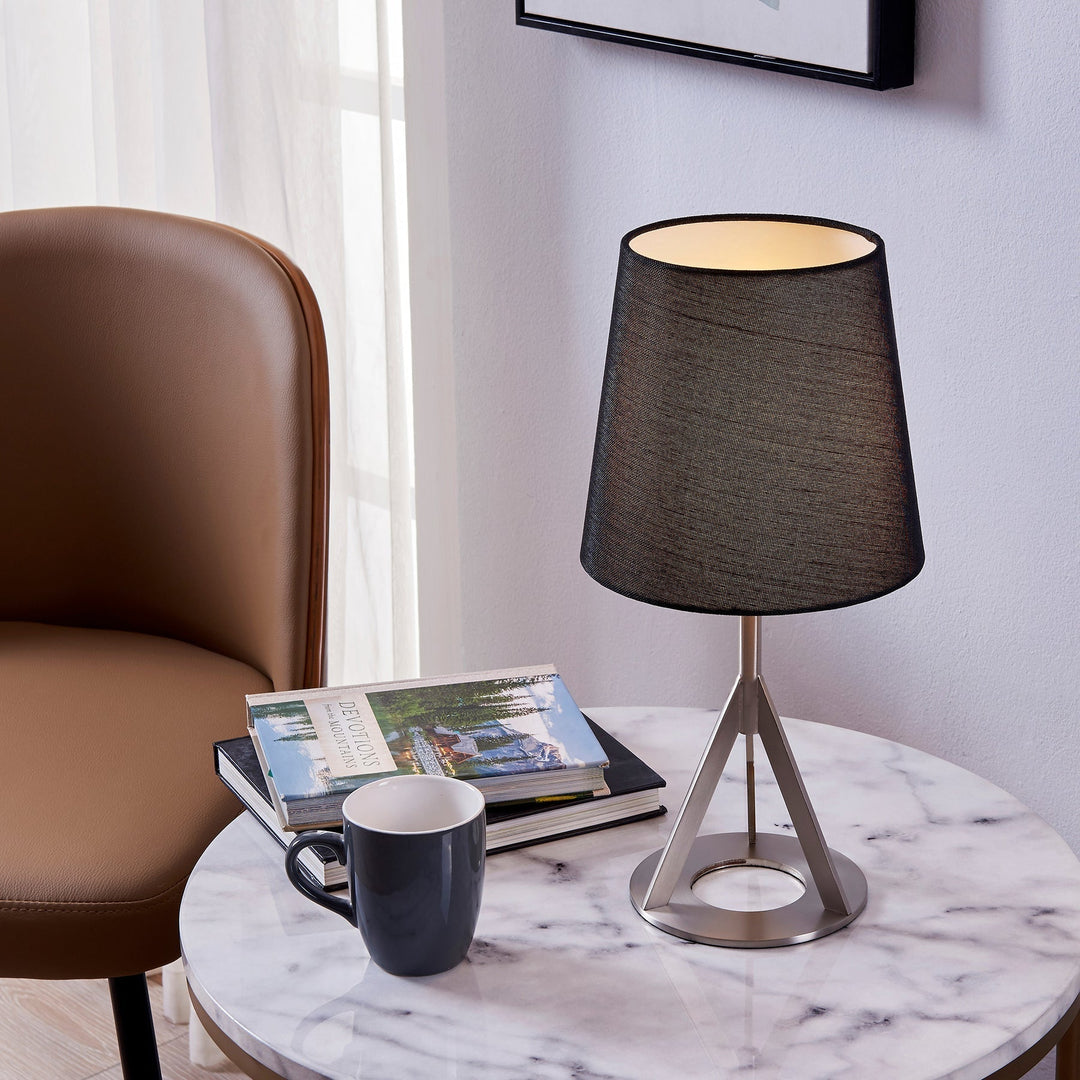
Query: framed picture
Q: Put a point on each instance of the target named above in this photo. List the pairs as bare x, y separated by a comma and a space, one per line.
867, 43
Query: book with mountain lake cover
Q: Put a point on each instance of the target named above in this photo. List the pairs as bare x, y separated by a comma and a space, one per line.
634, 796
517, 735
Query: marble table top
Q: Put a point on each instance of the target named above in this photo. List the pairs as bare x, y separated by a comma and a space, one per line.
968, 951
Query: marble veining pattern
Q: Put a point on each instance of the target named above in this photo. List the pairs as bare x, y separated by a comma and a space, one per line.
967, 953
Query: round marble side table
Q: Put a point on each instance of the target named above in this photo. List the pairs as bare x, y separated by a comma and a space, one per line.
964, 965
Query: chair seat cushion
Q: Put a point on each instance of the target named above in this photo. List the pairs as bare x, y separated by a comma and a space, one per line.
107, 793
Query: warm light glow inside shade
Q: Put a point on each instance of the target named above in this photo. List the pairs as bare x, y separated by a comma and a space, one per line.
751, 244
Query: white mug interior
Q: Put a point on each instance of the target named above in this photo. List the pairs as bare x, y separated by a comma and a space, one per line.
413, 804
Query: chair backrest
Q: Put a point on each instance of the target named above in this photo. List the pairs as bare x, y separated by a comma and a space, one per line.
164, 435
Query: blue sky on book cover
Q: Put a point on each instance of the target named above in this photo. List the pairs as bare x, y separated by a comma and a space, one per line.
470, 729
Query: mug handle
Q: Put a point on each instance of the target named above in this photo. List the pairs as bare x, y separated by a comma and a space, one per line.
312, 891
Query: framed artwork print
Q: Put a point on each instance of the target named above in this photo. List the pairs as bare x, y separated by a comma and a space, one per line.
863, 42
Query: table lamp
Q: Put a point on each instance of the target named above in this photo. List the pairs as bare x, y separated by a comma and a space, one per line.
751, 459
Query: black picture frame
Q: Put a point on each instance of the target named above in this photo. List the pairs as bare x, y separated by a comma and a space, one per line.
891, 41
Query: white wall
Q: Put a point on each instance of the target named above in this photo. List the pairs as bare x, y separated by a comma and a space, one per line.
558, 145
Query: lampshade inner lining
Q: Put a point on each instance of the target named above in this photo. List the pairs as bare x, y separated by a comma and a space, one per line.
749, 244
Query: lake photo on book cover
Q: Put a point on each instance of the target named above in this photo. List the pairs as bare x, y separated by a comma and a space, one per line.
485, 728
495, 725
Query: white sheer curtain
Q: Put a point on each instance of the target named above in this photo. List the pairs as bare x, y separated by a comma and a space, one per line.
284, 118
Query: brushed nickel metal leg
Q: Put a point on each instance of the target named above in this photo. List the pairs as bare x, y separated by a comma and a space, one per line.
749, 670
692, 811
790, 782
662, 886
751, 799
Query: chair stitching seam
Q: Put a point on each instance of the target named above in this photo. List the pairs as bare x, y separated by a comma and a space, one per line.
65, 905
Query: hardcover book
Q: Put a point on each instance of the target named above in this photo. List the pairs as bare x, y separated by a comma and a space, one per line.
634, 795
516, 735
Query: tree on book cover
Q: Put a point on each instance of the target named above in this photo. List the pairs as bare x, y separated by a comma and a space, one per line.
473, 729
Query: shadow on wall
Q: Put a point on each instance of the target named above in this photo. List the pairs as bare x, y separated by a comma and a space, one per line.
948, 53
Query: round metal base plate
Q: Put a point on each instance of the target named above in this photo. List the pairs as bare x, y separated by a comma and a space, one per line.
804, 919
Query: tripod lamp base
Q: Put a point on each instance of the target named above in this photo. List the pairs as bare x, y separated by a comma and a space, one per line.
687, 916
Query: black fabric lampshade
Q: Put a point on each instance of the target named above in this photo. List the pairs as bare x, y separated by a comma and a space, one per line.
752, 451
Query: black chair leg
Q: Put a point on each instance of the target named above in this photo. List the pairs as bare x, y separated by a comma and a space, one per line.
134, 1028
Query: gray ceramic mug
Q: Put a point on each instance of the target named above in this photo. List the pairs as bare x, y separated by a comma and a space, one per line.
413, 847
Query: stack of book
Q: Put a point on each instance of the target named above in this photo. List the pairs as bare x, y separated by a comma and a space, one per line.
545, 769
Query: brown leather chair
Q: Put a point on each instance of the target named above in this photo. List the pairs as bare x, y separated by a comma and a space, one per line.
163, 519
